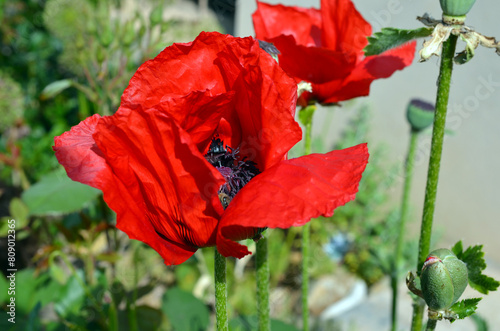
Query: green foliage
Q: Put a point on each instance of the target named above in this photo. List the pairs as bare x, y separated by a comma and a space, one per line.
11, 101
373, 229
389, 38
55, 88
465, 308
473, 256
249, 323
185, 311
56, 194
71, 298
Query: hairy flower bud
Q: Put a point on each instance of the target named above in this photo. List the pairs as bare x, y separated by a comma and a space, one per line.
443, 279
456, 7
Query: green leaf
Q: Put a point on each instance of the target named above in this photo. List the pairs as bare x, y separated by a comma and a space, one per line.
148, 318
19, 211
56, 194
25, 295
17, 220
55, 88
391, 37
474, 258
33, 321
465, 307
71, 299
277, 325
250, 323
184, 311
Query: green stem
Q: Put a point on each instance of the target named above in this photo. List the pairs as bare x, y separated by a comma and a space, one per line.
306, 116
262, 284
405, 202
305, 275
220, 292
443, 94
431, 325
132, 307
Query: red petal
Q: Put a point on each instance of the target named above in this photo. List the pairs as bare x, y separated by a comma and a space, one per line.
84, 162
291, 193
344, 29
304, 24
199, 114
163, 171
371, 68
313, 64
265, 103
77, 152
178, 70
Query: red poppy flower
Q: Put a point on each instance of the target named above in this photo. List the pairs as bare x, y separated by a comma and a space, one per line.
204, 126
325, 47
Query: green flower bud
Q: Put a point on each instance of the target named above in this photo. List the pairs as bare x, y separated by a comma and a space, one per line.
156, 15
420, 114
106, 37
100, 54
443, 279
129, 34
456, 7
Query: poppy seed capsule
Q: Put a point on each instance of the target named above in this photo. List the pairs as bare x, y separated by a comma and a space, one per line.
420, 114
456, 7
444, 279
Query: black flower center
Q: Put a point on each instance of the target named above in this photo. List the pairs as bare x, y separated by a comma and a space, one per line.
236, 170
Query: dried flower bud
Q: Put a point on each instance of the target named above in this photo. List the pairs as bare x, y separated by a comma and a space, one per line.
456, 7
420, 114
443, 279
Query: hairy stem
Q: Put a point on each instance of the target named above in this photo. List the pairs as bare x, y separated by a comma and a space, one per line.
306, 116
405, 202
220, 292
262, 284
431, 325
443, 94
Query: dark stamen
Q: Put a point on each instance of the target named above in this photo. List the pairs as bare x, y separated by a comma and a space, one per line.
237, 171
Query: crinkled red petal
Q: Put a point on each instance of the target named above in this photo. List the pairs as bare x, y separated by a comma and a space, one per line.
304, 24
371, 68
170, 180
264, 104
84, 162
344, 29
313, 64
199, 114
178, 70
291, 193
